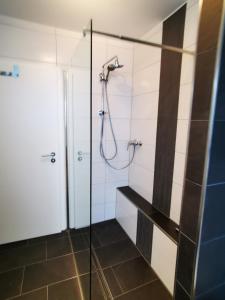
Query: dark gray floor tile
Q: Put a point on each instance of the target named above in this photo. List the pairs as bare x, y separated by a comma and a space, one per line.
151, 291
112, 282
66, 290
116, 253
83, 262
79, 242
85, 230
10, 283
10, 246
109, 232
51, 271
94, 240
22, 256
58, 247
96, 289
134, 273
36, 295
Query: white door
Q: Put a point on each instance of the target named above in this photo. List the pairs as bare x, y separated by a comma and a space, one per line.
79, 147
32, 188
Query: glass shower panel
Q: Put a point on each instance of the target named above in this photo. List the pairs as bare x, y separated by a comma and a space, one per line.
79, 157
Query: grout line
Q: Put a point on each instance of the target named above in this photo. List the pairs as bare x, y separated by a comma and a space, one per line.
136, 288
21, 288
122, 262
76, 269
47, 292
117, 280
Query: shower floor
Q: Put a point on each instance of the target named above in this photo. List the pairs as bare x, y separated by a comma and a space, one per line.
57, 267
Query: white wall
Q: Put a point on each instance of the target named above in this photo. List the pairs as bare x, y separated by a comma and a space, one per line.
105, 179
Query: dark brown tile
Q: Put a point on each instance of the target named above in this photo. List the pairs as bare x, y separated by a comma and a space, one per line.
10, 246
94, 239
209, 24
180, 294
217, 154
116, 253
79, 242
190, 209
211, 266
22, 256
196, 151
173, 34
51, 271
66, 290
215, 294
112, 282
154, 291
204, 78
144, 235
185, 263
134, 273
85, 230
36, 295
83, 262
213, 220
10, 283
58, 247
97, 292
109, 232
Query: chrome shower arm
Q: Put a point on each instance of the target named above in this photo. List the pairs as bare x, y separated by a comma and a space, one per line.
111, 59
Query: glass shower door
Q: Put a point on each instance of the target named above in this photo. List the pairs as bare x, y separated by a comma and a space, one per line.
79, 158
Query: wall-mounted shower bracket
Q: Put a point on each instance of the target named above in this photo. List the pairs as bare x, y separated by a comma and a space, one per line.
134, 143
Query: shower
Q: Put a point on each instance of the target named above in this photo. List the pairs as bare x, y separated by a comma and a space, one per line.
104, 78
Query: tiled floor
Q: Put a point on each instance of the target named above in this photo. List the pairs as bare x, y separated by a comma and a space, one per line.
57, 267
125, 273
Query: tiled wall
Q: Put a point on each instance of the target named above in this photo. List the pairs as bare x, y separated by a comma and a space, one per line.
105, 179
203, 189
146, 84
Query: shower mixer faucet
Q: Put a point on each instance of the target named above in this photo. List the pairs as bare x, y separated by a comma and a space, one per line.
134, 143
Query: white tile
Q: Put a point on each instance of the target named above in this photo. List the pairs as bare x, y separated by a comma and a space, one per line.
187, 69
147, 80
81, 56
96, 104
99, 54
126, 215
185, 101
81, 81
145, 106
145, 56
141, 180
96, 127
98, 172
121, 129
96, 157
179, 168
120, 106
125, 56
116, 175
182, 136
191, 25
176, 201
145, 157
81, 105
110, 211
111, 188
66, 48
98, 194
164, 255
98, 213
27, 44
155, 34
144, 130
123, 153
120, 83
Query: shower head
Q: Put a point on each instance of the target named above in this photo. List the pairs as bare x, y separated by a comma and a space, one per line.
114, 66
110, 68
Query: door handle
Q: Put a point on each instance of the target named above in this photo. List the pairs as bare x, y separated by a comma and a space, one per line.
52, 155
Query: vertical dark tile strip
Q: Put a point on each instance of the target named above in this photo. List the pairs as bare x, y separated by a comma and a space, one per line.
173, 33
144, 236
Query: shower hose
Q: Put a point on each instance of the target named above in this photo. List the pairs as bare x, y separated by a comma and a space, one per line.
105, 100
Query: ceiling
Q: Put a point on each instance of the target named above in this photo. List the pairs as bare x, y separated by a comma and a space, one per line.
127, 17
